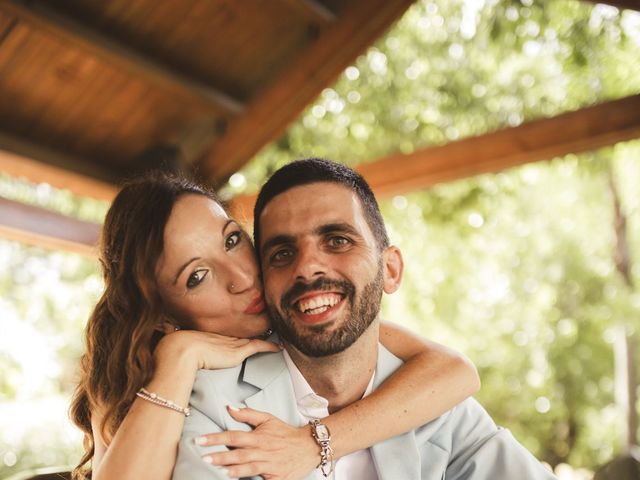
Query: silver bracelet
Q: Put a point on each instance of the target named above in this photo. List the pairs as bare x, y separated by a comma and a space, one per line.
322, 437
163, 402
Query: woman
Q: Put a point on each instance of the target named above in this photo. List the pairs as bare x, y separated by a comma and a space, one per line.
182, 293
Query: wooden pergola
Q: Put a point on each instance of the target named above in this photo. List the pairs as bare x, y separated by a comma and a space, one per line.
93, 92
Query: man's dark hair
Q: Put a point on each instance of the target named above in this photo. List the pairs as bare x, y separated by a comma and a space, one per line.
314, 170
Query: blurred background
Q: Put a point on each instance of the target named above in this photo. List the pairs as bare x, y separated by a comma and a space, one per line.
531, 271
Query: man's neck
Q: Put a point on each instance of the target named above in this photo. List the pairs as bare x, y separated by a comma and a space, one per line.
341, 378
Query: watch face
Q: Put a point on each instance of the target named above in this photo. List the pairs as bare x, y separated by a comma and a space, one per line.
322, 432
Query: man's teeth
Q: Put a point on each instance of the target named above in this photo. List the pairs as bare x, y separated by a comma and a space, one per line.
318, 304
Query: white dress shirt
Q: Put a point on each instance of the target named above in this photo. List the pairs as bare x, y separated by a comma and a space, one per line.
357, 465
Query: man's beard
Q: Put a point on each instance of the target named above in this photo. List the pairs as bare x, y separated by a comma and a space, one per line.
325, 339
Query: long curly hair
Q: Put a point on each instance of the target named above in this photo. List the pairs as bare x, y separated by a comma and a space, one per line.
125, 325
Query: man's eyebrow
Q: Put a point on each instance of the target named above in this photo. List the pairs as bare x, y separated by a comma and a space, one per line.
277, 240
181, 269
336, 228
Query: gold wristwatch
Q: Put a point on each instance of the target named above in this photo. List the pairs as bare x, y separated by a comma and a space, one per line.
322, 436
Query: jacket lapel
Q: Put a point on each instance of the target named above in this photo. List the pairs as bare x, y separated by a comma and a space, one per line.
269, 374
397, 457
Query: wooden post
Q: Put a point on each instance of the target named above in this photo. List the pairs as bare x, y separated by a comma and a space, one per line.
625, 345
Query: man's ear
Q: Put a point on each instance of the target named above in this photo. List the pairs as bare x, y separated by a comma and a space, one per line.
393, 265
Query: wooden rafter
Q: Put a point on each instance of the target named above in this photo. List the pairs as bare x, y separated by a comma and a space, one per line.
20, 158
587, 129
44, 228
268, 115
573, 132
112, 52
314, 9
628, 4
583, 130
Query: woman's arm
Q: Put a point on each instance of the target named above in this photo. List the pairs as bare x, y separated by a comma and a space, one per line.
145, 444
433, 379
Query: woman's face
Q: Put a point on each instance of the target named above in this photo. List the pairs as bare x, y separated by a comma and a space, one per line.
207, 273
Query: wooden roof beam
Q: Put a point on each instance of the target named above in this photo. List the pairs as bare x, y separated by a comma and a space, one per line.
313, 9
587, 129
622, 4
584, 130
268, 115
44, 228
20, 158
45, 19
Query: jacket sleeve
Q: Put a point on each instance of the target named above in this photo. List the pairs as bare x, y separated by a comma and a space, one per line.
480, 450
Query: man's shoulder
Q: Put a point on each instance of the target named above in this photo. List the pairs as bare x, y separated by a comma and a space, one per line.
221, 378
466, 417
258, 364
231, 384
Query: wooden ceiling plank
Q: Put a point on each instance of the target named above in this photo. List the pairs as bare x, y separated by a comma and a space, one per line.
119, 55
48, 93
58, 170
313, 9
267, 116
7, 24
622, 4
44, 228
573, 132
583, 130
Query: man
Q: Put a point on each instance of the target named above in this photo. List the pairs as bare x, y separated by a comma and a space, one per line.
326, 259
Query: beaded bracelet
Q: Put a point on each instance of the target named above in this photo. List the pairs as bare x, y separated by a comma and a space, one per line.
163, 402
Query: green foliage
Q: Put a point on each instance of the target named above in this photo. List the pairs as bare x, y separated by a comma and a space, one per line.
515, 269
45, 299
61, 201
451, 69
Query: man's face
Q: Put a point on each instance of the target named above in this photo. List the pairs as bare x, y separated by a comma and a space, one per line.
323, 272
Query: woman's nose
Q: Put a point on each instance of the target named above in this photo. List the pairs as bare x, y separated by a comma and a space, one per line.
241, 279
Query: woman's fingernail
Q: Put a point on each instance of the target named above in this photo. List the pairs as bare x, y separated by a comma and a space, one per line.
234, 408
201, 440
208, 459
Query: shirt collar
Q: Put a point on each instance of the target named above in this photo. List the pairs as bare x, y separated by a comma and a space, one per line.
310, 404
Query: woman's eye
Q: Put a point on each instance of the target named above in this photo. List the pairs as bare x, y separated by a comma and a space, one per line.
232, 240
196, 278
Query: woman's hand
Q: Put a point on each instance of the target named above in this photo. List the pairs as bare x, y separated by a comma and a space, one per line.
209, 350
274, 450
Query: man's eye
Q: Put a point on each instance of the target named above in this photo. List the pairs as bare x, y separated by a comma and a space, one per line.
281, 256
232, 240
338, 241
196, 278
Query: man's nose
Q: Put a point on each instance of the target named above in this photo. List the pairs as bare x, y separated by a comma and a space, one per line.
310, 263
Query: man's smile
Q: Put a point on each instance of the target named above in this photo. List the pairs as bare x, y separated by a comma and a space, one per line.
318, 303
317, 307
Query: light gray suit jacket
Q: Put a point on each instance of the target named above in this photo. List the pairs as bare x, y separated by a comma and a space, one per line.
462, 444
